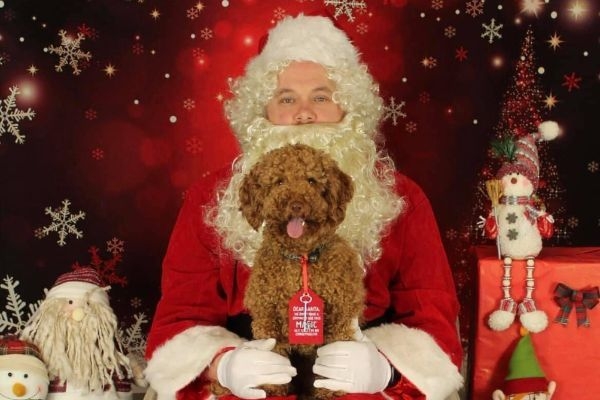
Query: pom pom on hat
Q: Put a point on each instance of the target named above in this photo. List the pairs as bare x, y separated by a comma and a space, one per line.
78, 284
526, 160
306, 38
19, 354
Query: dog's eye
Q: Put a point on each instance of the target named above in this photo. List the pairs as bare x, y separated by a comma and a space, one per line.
278, 182
312, 181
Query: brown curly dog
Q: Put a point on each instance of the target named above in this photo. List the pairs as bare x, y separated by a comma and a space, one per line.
300, 195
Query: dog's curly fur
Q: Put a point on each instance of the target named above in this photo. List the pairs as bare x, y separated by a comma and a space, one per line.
298, 181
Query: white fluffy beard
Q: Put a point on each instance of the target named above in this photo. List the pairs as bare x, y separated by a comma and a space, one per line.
374, 205
83, 354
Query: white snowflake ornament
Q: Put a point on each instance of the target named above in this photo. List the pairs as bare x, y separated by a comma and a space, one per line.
10, 115
70, 52
63, 222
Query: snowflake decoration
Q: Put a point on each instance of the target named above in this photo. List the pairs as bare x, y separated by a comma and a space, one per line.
437, 4
491, 31
411, 127
424, 97
198, 52
362, 28
572, 222
98, 154
1, 60
137, 49
192, 13
461, 54
346, 7
394, 111
189, 104
38, 233
206, 33
193, 145
87, 31
107, 269
10, 115
593, 166
136, 302
18, 319
63, 222
279, 13
115, 246
429, 62
5, 57
450, 31
69, 52
132, 338
571, 81
475, 7
90, 114
451, 234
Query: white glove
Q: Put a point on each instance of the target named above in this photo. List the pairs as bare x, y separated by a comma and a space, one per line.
352, 367
253, 364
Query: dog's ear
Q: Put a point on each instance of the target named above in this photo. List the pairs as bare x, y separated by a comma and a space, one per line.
250, 200
339, 192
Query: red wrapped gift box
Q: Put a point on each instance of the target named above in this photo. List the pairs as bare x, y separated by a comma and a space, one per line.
568, 354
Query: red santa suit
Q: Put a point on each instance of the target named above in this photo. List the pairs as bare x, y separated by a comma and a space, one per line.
410, 315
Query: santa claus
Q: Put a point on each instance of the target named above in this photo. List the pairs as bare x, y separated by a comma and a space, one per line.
308, 86
75, 330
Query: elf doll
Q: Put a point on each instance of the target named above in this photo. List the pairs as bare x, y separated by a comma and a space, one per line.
526, 379
518, 224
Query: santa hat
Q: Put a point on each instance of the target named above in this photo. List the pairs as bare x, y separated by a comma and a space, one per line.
306, 38
78, 284
525, 374
22, 355
525, 159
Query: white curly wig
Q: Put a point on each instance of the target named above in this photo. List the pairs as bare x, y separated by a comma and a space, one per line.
352, 143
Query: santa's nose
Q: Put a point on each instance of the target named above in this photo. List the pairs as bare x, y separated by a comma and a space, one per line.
77, 314
19, 389
513, 180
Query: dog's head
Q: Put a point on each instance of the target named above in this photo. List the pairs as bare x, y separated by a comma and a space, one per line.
297, 191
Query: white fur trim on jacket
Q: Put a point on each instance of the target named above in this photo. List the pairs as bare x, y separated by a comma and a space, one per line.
182, 359
417, 356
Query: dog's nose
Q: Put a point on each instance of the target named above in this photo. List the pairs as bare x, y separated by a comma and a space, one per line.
297, 207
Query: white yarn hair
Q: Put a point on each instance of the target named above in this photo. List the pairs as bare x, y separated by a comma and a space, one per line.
305, 38
373, 207
82, 353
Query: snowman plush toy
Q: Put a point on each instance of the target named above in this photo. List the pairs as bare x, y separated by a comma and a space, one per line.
518, 224
23, 375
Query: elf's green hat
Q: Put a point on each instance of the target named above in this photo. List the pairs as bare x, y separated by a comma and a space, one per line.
525, 374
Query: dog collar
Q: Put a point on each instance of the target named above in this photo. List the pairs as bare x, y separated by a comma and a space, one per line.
312, 257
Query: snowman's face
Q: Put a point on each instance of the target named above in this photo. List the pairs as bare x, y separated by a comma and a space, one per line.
21, 384
516, 184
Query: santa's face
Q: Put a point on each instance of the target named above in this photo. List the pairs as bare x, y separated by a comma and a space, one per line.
516, 184
22, 384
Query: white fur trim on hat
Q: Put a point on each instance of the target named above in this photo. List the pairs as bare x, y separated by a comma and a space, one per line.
416, 355
79, 290
25, 363
306, 38
183, 358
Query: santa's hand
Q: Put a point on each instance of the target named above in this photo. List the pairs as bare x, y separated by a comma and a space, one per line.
352, 367
253, 364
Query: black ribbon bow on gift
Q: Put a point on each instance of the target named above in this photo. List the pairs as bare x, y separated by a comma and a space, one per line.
583, 300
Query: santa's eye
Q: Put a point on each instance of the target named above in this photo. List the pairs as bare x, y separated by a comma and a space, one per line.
71, 302
10, 374
25, 376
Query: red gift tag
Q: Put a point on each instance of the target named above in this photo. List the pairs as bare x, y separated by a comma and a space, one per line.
305, 318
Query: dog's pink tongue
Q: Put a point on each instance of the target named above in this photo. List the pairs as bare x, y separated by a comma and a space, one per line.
295, 228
